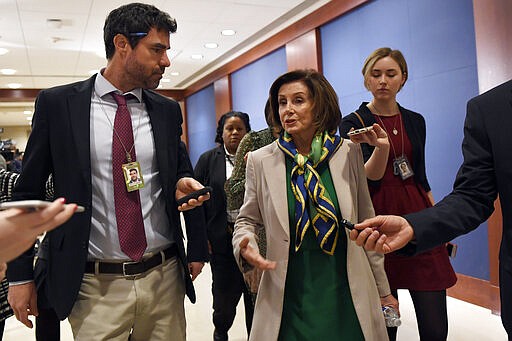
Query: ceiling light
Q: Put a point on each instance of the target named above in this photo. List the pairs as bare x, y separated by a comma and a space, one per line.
27, 112
3, 51
228, 32
175, 73
7, 71
197, 56
14, 85
28, 118
57, 39
54, 23
165, 80
211, 45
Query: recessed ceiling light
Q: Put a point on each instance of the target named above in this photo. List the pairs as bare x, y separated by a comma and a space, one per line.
175, 73
7, 71
228, 32
27, 112
165, 80
3, 51
197, 56
211, 45
54, 23
14, 85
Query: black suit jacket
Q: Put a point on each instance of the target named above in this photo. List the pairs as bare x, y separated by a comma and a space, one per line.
210, 170
60, 144
485, 172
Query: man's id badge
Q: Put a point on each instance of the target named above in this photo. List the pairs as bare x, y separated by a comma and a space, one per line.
132, 176
402, 167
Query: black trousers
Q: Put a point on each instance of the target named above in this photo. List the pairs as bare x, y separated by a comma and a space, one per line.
47, 322
227, 287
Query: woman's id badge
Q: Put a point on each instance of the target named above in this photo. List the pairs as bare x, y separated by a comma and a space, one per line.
402, 167
132, 176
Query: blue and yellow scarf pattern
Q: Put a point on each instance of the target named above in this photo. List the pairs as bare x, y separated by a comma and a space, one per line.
309, 191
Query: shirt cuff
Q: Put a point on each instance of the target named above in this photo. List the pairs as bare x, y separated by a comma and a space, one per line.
11, 284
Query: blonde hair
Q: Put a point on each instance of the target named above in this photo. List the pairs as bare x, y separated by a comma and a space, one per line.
380, 53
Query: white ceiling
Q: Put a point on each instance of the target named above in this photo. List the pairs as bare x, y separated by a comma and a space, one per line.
44, 56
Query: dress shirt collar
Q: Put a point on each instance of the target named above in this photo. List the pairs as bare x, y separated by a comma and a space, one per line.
103, 87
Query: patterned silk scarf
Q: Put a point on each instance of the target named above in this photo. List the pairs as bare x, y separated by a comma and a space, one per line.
309, 191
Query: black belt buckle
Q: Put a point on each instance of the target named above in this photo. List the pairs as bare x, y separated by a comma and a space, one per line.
124, 269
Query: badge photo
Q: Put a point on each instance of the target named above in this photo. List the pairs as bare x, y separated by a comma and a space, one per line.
133, 176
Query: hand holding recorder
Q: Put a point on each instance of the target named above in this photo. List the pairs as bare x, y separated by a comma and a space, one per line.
383, 233
190, 193
374, 135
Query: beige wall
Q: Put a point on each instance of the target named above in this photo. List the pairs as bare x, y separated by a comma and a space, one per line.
18, 134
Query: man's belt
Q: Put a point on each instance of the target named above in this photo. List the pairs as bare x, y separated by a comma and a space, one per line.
130, 268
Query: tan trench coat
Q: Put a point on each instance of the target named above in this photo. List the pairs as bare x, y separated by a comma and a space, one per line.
266, 204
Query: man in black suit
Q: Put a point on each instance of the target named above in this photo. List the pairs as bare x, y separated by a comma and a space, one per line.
104, 288
485, 172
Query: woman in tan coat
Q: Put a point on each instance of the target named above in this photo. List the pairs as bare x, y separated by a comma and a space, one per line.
316, 285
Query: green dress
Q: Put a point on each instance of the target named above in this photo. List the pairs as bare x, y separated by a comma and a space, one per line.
317, 300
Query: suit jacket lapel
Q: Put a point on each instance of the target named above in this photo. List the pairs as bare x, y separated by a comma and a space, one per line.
79, 111
274, 168
157, 117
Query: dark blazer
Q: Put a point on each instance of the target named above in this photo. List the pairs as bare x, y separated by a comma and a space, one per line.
210, 170
414, 125
485, 172
60, 144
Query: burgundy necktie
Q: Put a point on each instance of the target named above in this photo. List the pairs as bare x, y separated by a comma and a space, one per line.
130, 225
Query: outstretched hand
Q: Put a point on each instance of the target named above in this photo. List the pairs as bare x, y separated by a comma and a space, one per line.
253, 257
20, 228
383, 233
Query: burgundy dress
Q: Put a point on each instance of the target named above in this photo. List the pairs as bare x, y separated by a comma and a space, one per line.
428, 271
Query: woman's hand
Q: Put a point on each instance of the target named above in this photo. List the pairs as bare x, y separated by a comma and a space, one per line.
253, 257
390, 301
20, 228
376, 137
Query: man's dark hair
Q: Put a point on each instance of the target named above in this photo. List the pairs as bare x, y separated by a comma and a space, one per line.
134, 21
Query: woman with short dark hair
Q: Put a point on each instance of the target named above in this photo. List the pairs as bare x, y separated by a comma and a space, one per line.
212, 169
316, 284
